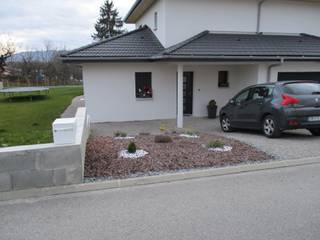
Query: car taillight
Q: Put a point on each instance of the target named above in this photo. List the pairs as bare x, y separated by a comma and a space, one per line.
288, 100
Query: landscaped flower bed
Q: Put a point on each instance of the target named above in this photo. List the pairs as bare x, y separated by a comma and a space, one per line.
103, 158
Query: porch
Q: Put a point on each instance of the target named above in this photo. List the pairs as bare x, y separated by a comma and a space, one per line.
198, 83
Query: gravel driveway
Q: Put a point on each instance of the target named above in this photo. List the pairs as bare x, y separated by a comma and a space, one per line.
292, 145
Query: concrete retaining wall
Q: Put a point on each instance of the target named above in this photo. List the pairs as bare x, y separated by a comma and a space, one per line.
45, 165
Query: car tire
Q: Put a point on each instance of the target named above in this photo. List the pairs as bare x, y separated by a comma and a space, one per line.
225, 124
270, 127
315, 132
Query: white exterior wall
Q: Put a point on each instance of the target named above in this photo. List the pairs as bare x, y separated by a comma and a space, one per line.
148, 19
109, 90
186, 18
291, 17
182, 19
205, 85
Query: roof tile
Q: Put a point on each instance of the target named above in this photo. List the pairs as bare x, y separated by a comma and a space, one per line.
214, 44
138, 43
142, 44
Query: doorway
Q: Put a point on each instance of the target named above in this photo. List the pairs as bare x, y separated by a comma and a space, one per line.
187, 93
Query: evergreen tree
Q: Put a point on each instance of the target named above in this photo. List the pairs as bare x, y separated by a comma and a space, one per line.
109, 23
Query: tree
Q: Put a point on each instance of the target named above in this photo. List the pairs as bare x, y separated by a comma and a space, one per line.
7, 49
42, 67
109, 23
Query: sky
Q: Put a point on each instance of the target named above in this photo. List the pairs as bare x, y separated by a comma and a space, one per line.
63, 23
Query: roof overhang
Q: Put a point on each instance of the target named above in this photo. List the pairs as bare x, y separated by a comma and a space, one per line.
103, 59
194, 59
238, 58
137, 10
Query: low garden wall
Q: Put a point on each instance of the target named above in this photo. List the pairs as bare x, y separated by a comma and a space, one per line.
45, 165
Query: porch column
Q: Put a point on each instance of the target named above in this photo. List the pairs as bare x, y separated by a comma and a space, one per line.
180, 97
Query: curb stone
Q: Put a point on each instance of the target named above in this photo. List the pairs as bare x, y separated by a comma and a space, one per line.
131, 182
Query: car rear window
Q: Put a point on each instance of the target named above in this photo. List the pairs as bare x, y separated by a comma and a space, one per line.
302, 88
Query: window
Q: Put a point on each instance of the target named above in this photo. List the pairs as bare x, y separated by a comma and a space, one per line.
302, 88
155, 21
261, 92
223, 80
143, 85
243, 96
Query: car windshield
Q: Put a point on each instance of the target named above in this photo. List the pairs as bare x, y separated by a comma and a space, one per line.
302, 88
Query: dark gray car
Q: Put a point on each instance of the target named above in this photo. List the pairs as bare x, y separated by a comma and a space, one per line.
274, 107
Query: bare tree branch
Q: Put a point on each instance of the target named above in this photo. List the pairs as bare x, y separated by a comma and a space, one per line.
7, 49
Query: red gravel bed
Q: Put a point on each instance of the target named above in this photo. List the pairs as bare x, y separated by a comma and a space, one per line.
102, 155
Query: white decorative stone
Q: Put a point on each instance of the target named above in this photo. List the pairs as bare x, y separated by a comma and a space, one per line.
124, 138
224, 149
137, 154
188, 136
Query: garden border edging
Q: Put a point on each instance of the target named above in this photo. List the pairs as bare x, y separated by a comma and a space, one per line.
131, 182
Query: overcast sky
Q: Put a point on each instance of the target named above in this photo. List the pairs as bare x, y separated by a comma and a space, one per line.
65, 23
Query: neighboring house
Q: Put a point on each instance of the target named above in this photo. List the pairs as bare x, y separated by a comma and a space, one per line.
185, 53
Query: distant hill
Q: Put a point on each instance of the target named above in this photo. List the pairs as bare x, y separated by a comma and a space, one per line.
35, 55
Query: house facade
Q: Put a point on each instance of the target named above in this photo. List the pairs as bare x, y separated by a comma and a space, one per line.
184, 53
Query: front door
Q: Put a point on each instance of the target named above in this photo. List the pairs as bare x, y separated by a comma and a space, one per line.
187, 93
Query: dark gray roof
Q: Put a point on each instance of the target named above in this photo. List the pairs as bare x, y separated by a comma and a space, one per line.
140, 44
143, 45
216, 44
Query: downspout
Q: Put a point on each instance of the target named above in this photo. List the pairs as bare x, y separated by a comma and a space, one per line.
259, 15
273, 66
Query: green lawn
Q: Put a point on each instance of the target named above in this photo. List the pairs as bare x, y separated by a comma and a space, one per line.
25, 122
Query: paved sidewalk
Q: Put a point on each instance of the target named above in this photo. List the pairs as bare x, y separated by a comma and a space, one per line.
70, 112
275, 204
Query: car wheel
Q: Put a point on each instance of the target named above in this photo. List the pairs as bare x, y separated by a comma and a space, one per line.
270, 127
226, 124
315, 132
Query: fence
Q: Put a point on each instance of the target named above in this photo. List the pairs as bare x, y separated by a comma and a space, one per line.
45, 165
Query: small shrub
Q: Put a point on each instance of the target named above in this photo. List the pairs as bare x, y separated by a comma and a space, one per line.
116, 134
163, 128
212, 103
120, 134
215, 144
162, 139
123, 134
144, 134
192, 133
132, 148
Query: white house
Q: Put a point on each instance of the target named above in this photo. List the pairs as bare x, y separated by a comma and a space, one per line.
184, 53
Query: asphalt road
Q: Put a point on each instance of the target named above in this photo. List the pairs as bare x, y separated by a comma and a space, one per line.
275, 204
